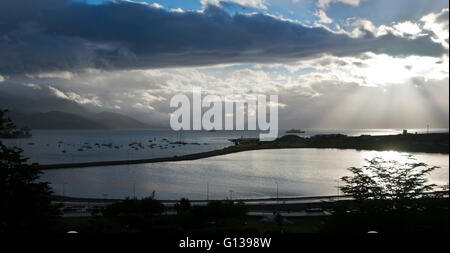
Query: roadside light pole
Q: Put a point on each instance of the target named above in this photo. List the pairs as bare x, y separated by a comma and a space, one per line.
231, 194
277, 191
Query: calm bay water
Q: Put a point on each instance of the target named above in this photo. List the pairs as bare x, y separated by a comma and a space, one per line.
252, 174
68, 146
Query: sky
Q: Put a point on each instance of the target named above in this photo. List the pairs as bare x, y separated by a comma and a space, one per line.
332, 63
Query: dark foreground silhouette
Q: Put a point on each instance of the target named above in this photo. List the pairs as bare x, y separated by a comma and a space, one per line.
387, 196
146, 215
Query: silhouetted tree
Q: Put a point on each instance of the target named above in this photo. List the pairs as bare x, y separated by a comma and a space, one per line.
135, 214
146, 207
393, 181
25, 203
5, 122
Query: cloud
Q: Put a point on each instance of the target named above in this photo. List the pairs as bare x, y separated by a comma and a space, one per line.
426, 27
256, 4
33, 86
359, 27
58, 93
408, 27
437, 23
365, 90
367, 69
375, 70
2, 79
433, 26
58, 74
157, 5
323, 18
325, 4
50, 36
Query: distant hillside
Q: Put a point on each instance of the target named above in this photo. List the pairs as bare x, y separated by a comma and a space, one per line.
16, 102
117, 121
63, 120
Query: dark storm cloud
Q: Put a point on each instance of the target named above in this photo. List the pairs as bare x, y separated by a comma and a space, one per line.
50, 35
442, 17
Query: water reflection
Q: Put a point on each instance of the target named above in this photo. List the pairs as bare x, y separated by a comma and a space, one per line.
390, 156
252, 174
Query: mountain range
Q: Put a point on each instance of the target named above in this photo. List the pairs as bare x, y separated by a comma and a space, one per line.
56, 113
64, 120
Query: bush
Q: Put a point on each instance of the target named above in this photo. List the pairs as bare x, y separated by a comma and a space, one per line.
132, 214
220, 210
143, 207
182, 206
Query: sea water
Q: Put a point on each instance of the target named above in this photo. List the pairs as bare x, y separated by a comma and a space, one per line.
250, 174
71, 146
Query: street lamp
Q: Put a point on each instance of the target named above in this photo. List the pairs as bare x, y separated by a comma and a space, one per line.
277, 191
